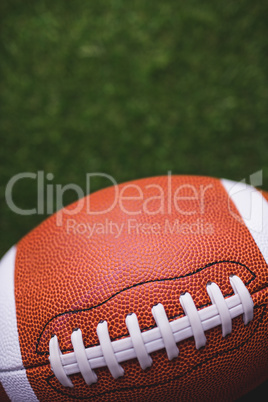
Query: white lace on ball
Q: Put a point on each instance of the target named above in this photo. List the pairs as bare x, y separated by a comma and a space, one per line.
165, 335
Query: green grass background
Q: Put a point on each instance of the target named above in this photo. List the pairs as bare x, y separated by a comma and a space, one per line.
131, 89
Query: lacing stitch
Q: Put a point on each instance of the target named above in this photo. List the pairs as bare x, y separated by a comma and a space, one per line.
134, 331
140, 344
163, 324
81, 357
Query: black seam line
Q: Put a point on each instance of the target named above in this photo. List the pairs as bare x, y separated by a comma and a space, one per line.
118, 391
133, 286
